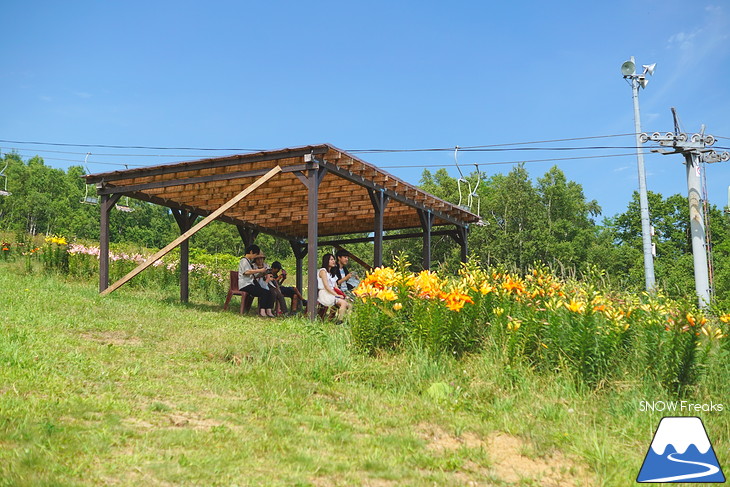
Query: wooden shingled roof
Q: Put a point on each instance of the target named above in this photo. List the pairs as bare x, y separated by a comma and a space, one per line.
279, 207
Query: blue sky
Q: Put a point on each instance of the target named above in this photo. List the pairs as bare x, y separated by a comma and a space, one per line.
360, 75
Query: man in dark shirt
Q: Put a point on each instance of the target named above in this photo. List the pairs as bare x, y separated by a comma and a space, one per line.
346, 280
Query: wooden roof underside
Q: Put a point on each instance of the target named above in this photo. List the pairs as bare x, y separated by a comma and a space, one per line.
279, 207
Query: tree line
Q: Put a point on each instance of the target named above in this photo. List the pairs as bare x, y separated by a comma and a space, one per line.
547, 220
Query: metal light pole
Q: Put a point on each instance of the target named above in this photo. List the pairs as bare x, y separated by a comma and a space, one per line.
629, 71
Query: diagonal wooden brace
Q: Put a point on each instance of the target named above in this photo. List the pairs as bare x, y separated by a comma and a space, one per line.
193, 230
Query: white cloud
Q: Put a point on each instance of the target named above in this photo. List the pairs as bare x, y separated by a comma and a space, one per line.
683, 40
45, 98
704, 39
82, 94
649, 117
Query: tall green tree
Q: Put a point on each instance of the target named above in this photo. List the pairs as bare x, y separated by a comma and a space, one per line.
569, 227
674, 263
523, 223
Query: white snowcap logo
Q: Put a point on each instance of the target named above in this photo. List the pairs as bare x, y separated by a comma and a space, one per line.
681, 452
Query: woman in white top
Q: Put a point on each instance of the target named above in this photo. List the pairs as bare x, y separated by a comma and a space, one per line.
327, 295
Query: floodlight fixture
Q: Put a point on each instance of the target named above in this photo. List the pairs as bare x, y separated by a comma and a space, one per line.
628, 68
649, 68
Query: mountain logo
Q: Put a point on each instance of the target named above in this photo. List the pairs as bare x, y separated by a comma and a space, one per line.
681, 452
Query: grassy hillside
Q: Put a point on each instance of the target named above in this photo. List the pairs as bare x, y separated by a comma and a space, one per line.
136, 389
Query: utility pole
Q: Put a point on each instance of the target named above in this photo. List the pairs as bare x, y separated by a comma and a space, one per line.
628, 69
695, 150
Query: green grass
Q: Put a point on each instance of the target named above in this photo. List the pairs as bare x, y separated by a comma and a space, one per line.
136, 389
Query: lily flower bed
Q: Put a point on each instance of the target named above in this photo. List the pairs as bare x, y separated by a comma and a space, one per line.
595, 334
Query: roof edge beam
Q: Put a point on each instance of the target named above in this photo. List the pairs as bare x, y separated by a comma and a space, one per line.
208, 164
357, 179
385, 237
102, 188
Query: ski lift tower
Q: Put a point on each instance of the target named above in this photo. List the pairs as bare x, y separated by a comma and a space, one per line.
695, 149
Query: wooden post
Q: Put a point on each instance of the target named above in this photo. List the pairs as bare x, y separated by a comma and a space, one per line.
300, 250
185, 220
379, 200
461, 236
313, 179
193, 230
106, 205
426, 222
248, 235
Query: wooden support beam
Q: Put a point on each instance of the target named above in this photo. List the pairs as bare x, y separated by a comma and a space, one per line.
185, 221
206, 164
106, 205
379, 201
401, 196
426, 222
395, 236
312, 182
248, 235
300, 250
263, 179
464, 242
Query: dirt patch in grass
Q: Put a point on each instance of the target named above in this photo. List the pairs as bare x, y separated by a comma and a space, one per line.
337, 481
117, 338
194, 421
508, 462
173, 420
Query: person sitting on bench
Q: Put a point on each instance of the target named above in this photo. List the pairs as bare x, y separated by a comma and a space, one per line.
346, 280
328, 292
287, 291
247, 275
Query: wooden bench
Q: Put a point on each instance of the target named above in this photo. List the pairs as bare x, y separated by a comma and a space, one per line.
323, 312
246, 300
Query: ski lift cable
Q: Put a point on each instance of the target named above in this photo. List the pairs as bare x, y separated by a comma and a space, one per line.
461, 179
461, 175
88, 200
479, 180
4, 191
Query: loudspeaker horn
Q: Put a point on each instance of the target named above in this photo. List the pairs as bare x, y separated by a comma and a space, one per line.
628, 68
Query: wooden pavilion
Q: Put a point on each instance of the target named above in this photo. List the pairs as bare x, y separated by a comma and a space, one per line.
298, 194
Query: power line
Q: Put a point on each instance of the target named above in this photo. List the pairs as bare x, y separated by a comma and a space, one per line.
90, 163
479, 148
59, 144
50, 151
99, 154
401, 166
556, 159
473, 147
437, 149
397, 166
433, 149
